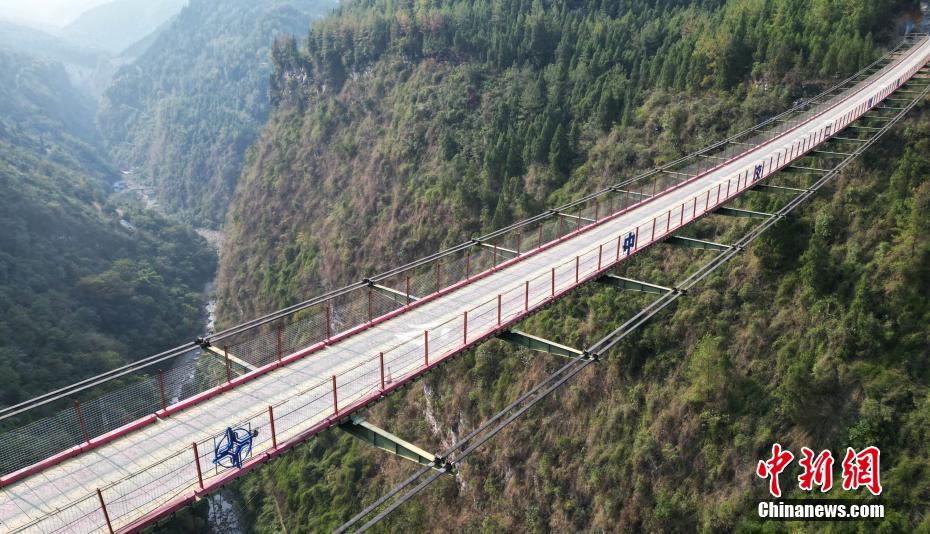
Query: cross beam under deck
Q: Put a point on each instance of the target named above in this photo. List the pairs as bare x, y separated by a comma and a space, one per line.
384, 440
499, 248
690, 242
633, 285
745, 214
769, 187
539, 344
397, 296
233, 359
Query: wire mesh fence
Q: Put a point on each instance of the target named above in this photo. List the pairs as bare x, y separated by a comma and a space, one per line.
197, 371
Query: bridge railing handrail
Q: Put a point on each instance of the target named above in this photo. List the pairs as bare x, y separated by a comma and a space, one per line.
640, 227
97, 380
331, 296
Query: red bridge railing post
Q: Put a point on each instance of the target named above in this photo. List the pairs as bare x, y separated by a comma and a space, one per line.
197, 463
329, 322
335, 398
526, 297
426, 348
226, 357
553, 281
103, 508
408, 290
161, 388
498, 309
370, 317
381, 358
465, 328
274, 435
80, 416
600, 255
577, 268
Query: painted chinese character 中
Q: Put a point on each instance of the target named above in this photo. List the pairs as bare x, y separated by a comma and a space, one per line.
772, 467
862, 469
629, 243
817, 470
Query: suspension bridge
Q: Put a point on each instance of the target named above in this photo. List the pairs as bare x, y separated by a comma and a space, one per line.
122, 450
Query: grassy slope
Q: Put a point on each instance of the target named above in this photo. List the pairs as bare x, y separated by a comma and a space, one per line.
816, 337
665, 434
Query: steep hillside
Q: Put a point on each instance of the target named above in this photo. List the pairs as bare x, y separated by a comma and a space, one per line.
815, 337
401, 127
83, 286
116, 25
185, 112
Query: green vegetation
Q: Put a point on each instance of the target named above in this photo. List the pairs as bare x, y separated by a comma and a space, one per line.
84, 285
404, 126
117, 25
815, 337
186, 110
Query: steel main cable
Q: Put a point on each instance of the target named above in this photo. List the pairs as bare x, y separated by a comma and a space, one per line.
458, 445
72, 389
609, 341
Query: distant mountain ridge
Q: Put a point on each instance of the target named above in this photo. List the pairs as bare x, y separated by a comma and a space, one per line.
79, 291
115, 26
188, 109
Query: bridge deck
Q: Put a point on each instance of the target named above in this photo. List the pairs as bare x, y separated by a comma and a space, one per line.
148, 471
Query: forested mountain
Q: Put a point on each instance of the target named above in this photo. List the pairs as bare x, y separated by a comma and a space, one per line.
116, 25
84, 286
187, 110
401, 126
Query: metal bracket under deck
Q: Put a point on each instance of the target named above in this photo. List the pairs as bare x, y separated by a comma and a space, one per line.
539, 344
745, 214
769, 187
576, 217
384, 440
224, 354
620, 282
395, 295
499, 248
690, 242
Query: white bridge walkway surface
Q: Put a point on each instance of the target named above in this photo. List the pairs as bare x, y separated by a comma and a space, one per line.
146, 473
